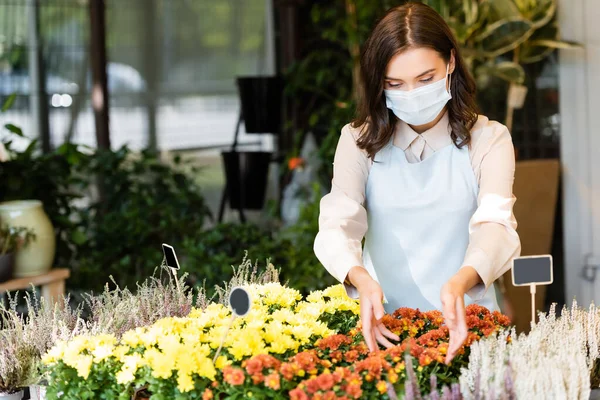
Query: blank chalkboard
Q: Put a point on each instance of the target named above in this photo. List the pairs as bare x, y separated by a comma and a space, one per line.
532, 270
170, 256
239, 300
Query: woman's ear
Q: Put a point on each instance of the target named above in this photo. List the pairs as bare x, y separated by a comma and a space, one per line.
452, 63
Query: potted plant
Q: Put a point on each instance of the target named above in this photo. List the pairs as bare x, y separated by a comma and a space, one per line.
498, 38
18, 364
11, 239
246, 172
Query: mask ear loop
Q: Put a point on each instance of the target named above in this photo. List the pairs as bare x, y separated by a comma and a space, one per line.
449, 76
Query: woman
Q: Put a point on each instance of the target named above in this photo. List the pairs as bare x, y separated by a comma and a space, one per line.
430, 178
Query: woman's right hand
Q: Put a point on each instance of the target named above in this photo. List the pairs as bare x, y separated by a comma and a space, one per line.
371, 309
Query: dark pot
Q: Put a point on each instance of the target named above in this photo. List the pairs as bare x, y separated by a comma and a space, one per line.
246, 174
261, 100
7, 266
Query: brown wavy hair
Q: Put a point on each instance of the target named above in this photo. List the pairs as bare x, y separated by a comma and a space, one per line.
411, 25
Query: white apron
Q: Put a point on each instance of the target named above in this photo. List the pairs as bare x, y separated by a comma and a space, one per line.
419, 225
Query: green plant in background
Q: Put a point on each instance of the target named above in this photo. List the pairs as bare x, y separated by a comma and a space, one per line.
14, 238
144, 203
303, 270
209, 257
499, 37
113, 231
324, 79
50, 178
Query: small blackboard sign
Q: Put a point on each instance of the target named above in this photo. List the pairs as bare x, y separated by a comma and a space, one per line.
239, 300
170, 256
532, 270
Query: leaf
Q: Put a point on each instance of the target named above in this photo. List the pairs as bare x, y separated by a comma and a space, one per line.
78, 237
29, 150
505, 9
542, 14
506, 70
471, 11
542, 43
9, 102
510, 71
14, 129
504, 36
556, 44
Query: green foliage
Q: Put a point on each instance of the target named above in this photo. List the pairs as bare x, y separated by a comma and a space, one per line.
142, 203
68, 384
341, 321
303, 270
111, 209
12, 238
498, 37
209, 257
324, 78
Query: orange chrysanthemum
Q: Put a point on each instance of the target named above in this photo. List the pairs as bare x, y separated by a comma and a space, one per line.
207, 394
273, 381
233, 375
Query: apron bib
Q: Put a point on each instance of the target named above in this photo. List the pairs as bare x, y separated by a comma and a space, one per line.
418, 231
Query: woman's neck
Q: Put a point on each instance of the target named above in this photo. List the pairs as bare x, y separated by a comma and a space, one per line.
425, 127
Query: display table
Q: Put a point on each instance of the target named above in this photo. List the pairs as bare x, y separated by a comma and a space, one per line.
52, 284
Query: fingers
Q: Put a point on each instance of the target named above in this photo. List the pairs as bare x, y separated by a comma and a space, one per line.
376, 300
387, 333
381, 339
458, 334
448, 309
371, 313
366, 316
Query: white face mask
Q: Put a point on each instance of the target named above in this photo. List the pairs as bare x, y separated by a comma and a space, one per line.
421, 105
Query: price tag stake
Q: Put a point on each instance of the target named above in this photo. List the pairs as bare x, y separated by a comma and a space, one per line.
172, 262
240, 304
532, 271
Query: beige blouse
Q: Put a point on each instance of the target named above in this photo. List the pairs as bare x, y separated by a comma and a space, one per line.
493, 240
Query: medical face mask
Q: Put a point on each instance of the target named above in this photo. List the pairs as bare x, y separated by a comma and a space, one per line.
419, 106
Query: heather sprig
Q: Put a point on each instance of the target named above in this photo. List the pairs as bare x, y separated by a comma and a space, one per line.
554, 360
118, 310
18, 361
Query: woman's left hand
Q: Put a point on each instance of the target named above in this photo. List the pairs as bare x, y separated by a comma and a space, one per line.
453, 308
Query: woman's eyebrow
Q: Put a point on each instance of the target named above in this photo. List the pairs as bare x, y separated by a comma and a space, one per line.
418, 76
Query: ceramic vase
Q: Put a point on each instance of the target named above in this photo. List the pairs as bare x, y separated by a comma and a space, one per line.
37, 257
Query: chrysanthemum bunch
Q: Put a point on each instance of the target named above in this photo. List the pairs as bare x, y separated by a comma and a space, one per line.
175, 354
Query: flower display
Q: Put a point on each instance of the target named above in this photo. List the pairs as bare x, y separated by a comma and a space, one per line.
284, 347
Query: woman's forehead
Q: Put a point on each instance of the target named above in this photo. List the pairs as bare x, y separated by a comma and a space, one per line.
412, 62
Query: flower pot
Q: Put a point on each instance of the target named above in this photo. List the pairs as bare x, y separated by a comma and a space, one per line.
12, 396
516, 96
7, 265
37, 392
37, 257
261, 102
246, 174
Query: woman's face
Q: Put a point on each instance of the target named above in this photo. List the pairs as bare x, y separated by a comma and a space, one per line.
414, 68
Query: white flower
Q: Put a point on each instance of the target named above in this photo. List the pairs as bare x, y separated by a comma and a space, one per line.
553, 361
4, 156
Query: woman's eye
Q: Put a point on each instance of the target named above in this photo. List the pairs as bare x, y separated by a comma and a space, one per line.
427, 80
393, 85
